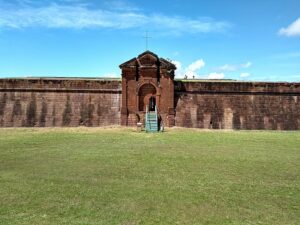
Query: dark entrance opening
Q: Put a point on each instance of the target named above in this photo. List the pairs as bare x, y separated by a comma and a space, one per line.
152, 103
145, 93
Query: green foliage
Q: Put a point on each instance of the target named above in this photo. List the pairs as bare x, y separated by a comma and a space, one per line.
118, 176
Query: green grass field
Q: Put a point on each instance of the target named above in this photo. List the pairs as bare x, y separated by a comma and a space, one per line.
119, 176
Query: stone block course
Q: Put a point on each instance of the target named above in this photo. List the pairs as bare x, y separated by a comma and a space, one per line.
238, 105
47, 102
59, 102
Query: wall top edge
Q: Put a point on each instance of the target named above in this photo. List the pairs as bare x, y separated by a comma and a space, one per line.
187, 81
61, 78
191, 81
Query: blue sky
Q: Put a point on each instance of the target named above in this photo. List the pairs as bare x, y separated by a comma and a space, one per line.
245, 40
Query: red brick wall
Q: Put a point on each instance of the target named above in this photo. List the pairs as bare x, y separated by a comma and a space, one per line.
238, 105
96, 102
59, 102
142, 78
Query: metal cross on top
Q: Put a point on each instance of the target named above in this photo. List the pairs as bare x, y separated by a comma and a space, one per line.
147, 37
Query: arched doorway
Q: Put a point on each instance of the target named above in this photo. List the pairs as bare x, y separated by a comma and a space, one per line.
147, 97
152, 103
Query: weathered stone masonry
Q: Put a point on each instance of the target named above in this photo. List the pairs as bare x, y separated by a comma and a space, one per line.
46, 102
216, 105
238, 105
59, 102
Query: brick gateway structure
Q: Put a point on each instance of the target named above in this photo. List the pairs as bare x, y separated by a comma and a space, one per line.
149, 81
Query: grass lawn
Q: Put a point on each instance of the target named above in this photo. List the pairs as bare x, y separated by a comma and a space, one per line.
119, 176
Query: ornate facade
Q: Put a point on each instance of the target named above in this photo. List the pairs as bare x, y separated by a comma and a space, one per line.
147, 82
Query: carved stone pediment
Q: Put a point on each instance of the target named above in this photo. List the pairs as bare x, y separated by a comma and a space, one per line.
148, 59
130, 63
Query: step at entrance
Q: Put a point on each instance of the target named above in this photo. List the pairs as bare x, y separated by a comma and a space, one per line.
151, 121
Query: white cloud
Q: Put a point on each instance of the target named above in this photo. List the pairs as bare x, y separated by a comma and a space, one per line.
191, 74
179, 72
292, 30
56, 16
80, 16
197, 65
177, 64
246, 65
110, 75
178, 24
190, 71
120, 5
243, 75
231, 68
216, 76
227, 67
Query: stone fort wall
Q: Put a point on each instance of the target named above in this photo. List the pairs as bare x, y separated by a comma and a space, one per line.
50, 102
238, 105
59, 102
